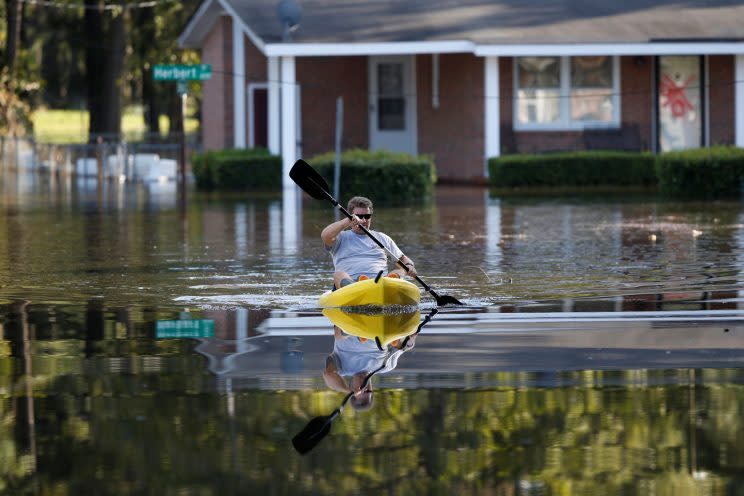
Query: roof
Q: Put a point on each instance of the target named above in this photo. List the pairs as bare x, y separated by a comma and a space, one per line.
482, 23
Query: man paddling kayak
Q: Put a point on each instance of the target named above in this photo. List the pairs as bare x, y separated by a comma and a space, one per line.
354, 254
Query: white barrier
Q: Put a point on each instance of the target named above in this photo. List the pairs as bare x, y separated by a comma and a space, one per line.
162, 170
147, 167
25, 159
143, 162
86, 167
115, 166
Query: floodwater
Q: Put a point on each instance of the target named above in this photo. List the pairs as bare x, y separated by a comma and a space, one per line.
147, 348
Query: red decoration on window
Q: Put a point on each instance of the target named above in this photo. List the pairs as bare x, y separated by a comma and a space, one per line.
676, 95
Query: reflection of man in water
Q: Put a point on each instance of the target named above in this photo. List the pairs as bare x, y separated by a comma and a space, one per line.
358, 357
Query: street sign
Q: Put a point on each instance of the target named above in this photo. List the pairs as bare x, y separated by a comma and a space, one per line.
182, 72
189, 328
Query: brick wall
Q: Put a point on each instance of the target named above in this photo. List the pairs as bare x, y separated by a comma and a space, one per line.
256, 65
454, 132
217, 92
637, 102
322, 80
721, 74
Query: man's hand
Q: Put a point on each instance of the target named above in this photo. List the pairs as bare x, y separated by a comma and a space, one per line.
411, 272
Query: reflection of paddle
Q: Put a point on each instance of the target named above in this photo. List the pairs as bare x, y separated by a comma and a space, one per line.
426, 320
314, 185
319, 427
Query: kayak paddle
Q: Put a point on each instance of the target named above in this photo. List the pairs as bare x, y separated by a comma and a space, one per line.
319, 427
314, 185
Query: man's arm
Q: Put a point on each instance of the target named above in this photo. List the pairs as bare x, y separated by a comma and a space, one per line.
408, 263
332, 378
331, 231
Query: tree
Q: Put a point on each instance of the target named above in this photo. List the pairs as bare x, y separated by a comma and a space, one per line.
104, 60
154, 41
14, 16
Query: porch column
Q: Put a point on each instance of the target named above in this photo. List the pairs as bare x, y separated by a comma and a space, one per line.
739, 100
239, 109
289, 117
273, 104
492, 112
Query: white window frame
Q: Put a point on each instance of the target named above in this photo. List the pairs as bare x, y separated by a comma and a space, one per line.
564, 123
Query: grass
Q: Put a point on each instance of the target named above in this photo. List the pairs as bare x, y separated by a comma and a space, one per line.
71, 126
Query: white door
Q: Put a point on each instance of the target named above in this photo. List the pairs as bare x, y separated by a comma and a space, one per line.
392, 104
680, 102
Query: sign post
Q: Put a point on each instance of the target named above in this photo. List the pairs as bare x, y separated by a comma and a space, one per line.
181, 73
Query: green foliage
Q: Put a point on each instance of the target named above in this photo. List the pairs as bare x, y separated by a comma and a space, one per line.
593, 168
237, 170
383, 176
702, 172
16, 89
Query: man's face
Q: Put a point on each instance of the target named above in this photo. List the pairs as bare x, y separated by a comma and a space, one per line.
364, 222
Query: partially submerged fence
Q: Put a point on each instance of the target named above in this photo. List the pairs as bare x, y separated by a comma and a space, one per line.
121, 160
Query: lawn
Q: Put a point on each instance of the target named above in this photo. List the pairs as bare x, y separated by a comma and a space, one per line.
71, 126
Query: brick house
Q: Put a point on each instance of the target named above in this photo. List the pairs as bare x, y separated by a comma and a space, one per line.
468, 80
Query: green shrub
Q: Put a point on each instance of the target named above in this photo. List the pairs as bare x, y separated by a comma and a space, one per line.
380, 175
702, 172
237, 170
586, 168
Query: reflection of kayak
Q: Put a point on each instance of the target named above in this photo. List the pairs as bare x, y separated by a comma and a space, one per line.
386, 327
386, 291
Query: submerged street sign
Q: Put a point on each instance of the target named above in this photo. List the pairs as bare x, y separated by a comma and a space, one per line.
182, 72
189, 328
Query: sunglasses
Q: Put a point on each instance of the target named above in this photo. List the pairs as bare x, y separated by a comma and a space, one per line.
364, 216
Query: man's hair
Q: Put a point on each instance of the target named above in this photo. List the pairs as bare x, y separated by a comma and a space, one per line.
359, 202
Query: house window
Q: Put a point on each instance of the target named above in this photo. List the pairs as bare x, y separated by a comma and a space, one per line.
566, 93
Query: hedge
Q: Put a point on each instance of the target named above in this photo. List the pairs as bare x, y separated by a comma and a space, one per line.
382, 176
590, 168
702, 172
244, 170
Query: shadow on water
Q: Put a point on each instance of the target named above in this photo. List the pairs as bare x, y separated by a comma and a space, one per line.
601, 350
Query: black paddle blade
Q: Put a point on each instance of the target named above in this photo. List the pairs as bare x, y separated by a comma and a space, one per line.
309, 180
447, 300
312, 434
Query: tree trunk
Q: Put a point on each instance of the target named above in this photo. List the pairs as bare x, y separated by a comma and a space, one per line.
150, 102
145, 21
13, 14
104, 61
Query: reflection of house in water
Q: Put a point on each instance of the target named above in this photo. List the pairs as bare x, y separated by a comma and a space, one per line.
240, 359
277, 223
469, 348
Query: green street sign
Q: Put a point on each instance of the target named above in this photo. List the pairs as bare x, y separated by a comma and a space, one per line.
176, 72
189, 328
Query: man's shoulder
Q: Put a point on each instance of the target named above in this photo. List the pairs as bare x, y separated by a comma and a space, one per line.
379, 233
382, 235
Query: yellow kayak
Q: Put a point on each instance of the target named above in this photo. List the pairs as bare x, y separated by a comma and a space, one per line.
386, 291
386, 327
